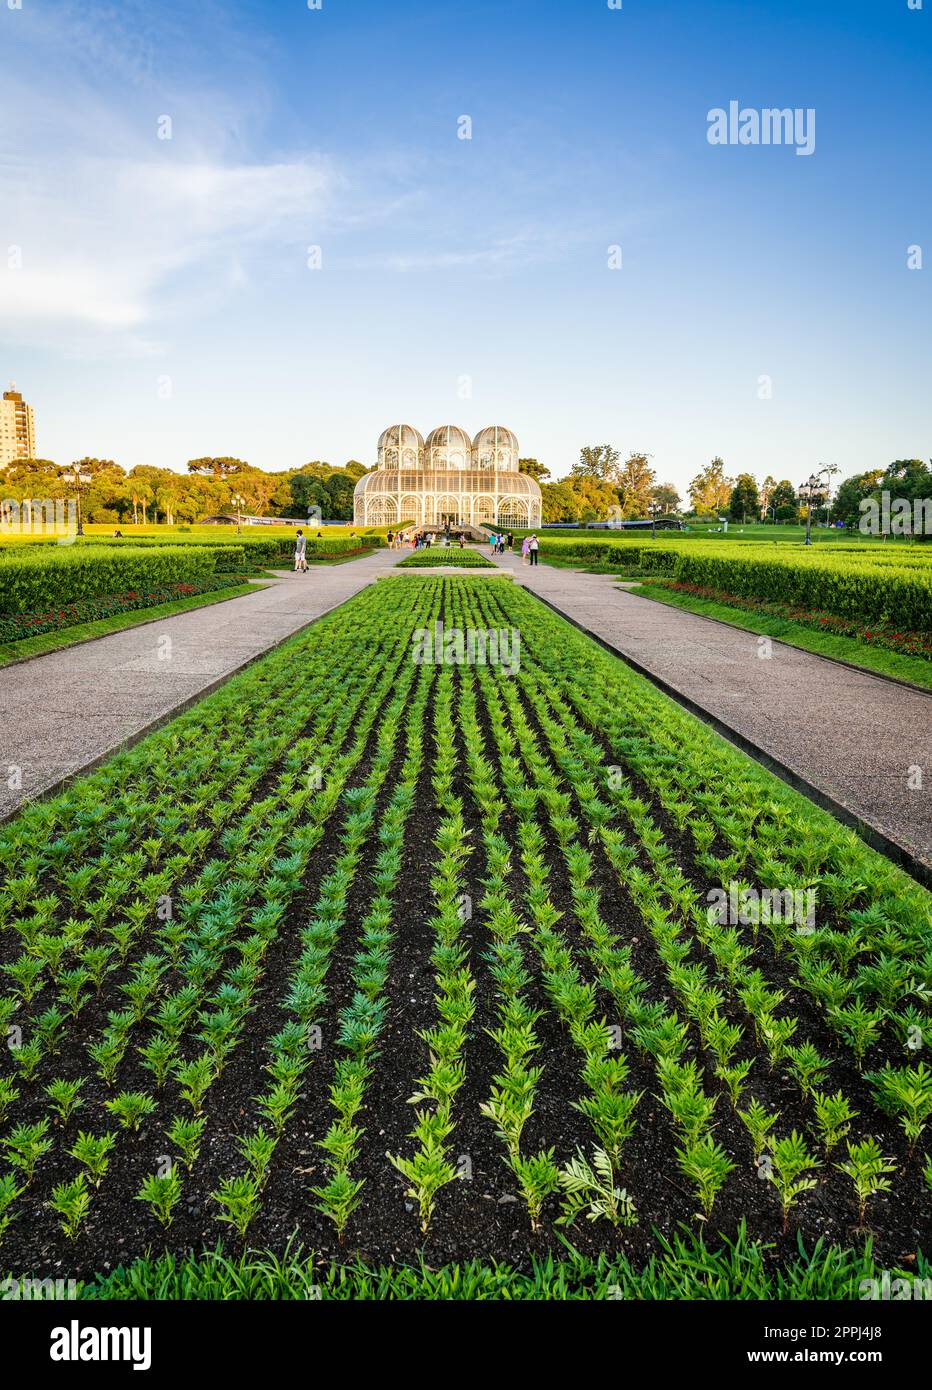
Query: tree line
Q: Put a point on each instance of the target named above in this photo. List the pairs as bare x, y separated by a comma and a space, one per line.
146, 494
602, 485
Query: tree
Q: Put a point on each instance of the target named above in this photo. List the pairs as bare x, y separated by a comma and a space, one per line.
909, 478
785, 501
95, 466
598, 461
745, 499
593, 499
307, 491
852, 492
218, 468
710, 490
766, 491
20, 469
666, 497
635, 483
559, 502
533, 469
340, 494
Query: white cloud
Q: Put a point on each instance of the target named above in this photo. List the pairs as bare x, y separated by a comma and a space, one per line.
117, 230
104, 241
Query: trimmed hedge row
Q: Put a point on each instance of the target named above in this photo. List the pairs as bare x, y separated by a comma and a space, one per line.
901, 596
257, 553
634, 547
31, 582
861, 583
15, 627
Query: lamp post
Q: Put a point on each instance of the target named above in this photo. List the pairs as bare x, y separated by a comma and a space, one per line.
653, 509
80, 480
239, 503
812, 487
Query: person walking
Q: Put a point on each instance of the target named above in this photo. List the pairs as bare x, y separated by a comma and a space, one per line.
300, 553
533, 547
510, 541
525, 547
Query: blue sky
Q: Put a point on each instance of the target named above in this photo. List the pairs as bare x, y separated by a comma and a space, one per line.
161, 307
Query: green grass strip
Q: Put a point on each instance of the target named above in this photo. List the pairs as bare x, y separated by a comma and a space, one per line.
688, 1266
84, 632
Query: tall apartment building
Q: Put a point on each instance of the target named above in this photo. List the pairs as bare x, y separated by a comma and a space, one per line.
17, 428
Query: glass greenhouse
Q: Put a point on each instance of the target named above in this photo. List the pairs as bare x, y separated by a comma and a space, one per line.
447, 478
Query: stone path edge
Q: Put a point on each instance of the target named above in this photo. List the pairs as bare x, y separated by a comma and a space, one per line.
162, 719
871, 835
736, 627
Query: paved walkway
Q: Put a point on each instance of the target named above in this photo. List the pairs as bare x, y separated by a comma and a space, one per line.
847, 736
66, 710
852, 737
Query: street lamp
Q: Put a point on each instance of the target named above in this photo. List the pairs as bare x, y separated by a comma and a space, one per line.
653, 509
239, 503
813, 487
80, 480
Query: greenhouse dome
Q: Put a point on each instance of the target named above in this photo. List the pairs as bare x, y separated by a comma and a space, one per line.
496, 449
400, 446
447, 479
448, 447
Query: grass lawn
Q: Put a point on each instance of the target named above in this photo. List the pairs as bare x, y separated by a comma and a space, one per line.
696, 531
83, 632
905, 668
685, 1267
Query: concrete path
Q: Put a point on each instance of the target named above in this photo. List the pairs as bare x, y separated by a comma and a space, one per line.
61, 712
853, 739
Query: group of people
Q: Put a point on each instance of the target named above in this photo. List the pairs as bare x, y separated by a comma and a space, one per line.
499, 542
530, 546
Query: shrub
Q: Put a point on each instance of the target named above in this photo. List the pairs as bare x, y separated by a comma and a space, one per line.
33, 581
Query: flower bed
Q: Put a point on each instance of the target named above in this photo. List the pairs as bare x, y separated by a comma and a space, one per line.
16, 626
876, 635
671, 968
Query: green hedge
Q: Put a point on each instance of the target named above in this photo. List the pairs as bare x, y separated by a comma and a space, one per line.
859, 582
259, 552
31, 583
861, 590
622, 553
